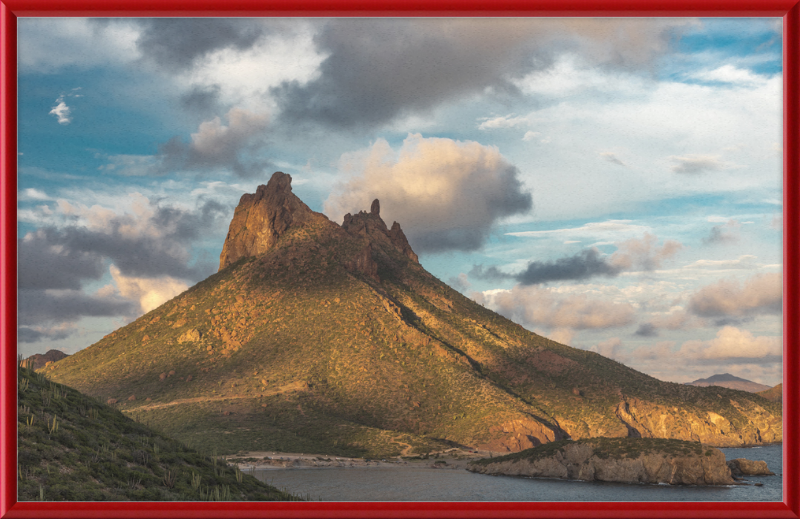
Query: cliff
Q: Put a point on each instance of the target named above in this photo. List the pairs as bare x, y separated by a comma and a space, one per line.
618, 460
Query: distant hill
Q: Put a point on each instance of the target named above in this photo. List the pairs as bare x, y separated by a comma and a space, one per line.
73, 448
731, 382
326, 338
39, 360
775, 394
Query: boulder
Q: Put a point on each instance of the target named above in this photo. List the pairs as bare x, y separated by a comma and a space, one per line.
193, 335
111, 401
745, 467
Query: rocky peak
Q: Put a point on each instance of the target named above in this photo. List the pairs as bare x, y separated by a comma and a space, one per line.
262, 217
372, 225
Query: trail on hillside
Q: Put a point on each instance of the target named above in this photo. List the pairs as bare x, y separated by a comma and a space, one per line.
407, 448
294, 386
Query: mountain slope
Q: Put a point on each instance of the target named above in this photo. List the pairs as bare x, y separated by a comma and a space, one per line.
731, 382
773, 394
73, 448
335, 339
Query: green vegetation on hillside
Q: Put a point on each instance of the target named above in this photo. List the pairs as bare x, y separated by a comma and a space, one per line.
73, 448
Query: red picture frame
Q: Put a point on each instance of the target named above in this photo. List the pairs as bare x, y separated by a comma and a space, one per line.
11, 9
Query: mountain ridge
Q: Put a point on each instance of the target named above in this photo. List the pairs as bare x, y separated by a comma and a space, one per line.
335, 339
731, 382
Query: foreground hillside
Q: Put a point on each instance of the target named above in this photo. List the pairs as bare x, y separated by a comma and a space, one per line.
73, 448
315, 337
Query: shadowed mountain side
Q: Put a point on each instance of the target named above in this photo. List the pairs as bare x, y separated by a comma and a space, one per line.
335, 339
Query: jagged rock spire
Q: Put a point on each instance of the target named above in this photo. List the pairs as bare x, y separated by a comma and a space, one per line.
261, 218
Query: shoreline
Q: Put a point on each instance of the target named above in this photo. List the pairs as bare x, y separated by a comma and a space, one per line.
452, 459
269, 460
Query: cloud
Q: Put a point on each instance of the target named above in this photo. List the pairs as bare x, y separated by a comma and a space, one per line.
731, 343
42, 307
149, 292
446, 194
43, 263
694, 164
723, 233
61, 111
644, 253
612, 158
530, 135
27, 334
611, 348
460, 282
762, 294
176, 43
214, 145
561, 335
583, 265
32, 194
631, 254
536, 306
742, 262
609, 229
377, 70
646, 330
149, 246
503, 121
201, 98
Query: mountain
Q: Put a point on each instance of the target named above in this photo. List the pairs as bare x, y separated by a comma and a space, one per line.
731, 382
774, 394
39, 361
73, 448
316, 337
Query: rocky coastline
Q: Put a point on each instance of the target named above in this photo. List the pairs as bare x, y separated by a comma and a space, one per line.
624, 460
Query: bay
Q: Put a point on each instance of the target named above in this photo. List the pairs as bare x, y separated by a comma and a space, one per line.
422, 483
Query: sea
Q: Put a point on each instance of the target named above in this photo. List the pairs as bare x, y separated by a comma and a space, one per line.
420, 483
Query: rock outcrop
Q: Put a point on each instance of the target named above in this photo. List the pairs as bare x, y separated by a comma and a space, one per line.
634, 461
371, 225
648, 420
261, 218
745, 467
39, 361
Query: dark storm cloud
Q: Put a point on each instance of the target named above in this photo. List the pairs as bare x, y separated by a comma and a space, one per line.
202, 99
59, 258
583, 265
175, 43
37, 306
646, 330
42, 266
379, 69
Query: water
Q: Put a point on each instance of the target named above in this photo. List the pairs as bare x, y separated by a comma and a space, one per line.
419, 483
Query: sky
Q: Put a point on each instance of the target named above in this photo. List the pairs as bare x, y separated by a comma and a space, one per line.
613, 184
